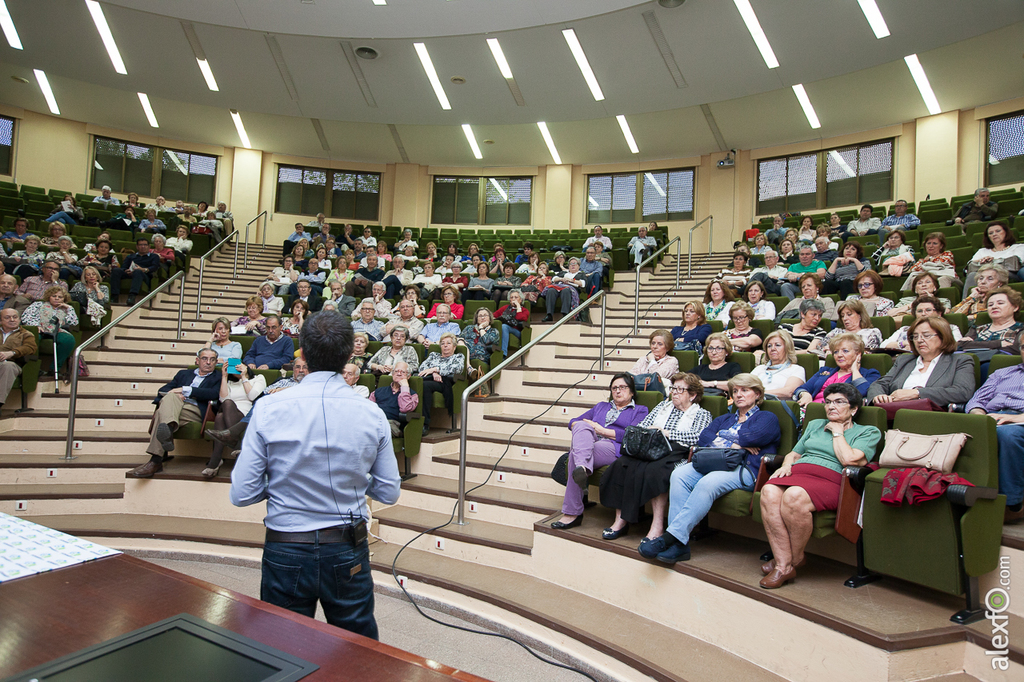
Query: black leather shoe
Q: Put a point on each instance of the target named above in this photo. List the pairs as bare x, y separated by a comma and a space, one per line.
549, 318
558, 525
609, 534
131, 299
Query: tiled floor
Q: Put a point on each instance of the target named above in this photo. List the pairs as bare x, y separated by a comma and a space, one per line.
401, 626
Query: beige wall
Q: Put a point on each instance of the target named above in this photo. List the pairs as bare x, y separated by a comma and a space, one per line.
939, 155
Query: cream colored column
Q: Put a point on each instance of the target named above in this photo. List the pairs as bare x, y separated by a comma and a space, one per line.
556, 211
936, 157
246, 172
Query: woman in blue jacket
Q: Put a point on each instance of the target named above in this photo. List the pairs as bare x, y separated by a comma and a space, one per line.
847, 349
596, 441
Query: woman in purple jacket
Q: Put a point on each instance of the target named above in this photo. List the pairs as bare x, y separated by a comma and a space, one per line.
596, 440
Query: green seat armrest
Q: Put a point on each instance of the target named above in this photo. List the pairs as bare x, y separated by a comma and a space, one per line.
981, 530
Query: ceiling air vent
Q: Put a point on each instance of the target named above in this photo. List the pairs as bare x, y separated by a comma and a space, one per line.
366, 53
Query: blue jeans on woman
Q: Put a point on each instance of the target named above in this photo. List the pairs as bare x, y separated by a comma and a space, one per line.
61, 217
296, 575
507, 331
691, 495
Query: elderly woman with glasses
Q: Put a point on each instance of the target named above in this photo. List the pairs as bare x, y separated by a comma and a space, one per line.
596, 441
923, 306
809, 480
564, 287
692, 493
385, 359
715, 374
869, 287
853, 319
806, 333
847, 349
782, 375
743, 336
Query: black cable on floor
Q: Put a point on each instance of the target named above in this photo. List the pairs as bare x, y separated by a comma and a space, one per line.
494, 467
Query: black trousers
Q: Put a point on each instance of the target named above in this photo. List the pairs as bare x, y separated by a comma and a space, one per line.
430, 387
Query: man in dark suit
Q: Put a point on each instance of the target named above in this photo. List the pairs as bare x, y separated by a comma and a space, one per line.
305, 293
180, 401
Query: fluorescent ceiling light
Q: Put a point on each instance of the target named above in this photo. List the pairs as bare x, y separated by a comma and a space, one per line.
581, 61
471, 138
549, 142
211, 82
380, 2
499, 57
805, 102
626, 133
838, 158
435, 82
241, 129
654, 182
921, 78
503, 193
874, 17
756, 32
147, 107
176, 161
7, 24
44, 85
108, 39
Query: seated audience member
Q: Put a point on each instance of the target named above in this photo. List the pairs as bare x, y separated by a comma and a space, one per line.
350, 373
34, 288
65, 258
714, 375
318, 223
926, 284
598, 237
1000, 248
771, 275
139, 267
735, 277
56, 231
777, 230
848, 350
596, 442
180, 401
980, 208
513, 317
271, 304
403, 315
17, 344
368, 240
360, 357
534, 285
221, 342
480, 286
361, 285
151, 223
345, 305
806, 333
161, 206
810, 289
760, 245
29, 259
782, 375
564, 288
223, 213
756, 297
1002, 334
558, 264
795, 275
810, 478
589, 266
105, 198
385, 359
508, 281
92, 296
930, 371
823, 251
283, 277
8, 289
899, 219
843, 271
630, 483
718, 300
923, 306
788, 254
272, 350
834, 242
181, 245
869, 288
322, 235
604, 258
17, 234
299, 233
865, 224
312, 274
433, 331
853, 319
692, 334
496, 262
937, 260
398, 278
440, 371
54, 317
397, 400
806, 233
253, 323
455, 280
292, 327
210, 222
744, 337
641, 246
238, 390
529, 252
406, 241
305, 294
374, 329
691, 493
101, 256
989, 278
478, 338
166, 253
895, 257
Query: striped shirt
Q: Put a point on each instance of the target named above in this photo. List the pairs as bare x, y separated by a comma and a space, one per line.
1004, 390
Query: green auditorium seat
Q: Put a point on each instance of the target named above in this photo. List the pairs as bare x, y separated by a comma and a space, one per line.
945, 543
408, 444
1002, 362
687, 359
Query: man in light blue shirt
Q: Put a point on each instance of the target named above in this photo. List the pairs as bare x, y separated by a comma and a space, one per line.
432, 332
106, 199
900, 218
314, 453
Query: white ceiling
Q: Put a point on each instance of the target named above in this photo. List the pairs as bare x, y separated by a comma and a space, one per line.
971, 51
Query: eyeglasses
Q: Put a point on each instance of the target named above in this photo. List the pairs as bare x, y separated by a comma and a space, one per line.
836, 403
620, 387
716, 349
865, 285
923, 337
679, 389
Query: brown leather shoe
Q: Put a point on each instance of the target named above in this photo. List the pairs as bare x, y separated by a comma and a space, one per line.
221, 436
777, 579
146, 470
769, 566
1010, 516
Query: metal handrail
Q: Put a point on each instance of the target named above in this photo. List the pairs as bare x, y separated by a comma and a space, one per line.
246, 258
103, 332
464, 417
678, 241
711, 233
202, 263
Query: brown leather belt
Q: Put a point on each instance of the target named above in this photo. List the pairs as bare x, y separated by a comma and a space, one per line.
353, 534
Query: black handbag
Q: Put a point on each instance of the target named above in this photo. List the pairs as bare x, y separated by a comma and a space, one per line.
647, 445
707, 460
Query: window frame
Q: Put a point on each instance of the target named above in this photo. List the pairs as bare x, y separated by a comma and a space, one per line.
9, 171
328, 198
156, 177
638, 215
987, 154
483, 182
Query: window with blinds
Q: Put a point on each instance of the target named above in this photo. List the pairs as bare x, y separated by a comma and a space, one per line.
335, 193
1005, 162
787, 184
192, 177
6, 145
481, 201
640, 197
151, 171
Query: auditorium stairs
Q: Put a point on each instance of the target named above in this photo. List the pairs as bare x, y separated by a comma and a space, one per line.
594, 600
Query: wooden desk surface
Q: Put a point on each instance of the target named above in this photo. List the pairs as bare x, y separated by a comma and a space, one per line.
53, 614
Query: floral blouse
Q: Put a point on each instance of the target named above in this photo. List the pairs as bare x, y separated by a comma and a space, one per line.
36, 259
407, 355
943, 265
97, 261
449, 367
537, 281
259, 330
477, 343
83, 296
40, 314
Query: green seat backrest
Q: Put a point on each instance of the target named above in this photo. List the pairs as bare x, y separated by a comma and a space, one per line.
687, 359
786, 424
1002, 362
885, 324
650, 399
371, 382
810, 362
866, 416
717, 405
